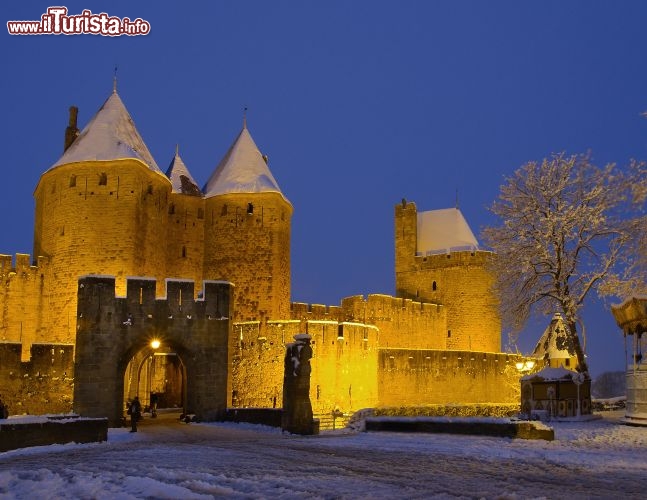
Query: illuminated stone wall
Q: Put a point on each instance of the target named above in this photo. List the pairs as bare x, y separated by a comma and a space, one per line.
344, 363
460, 281
412, 377
121, 219
24, 303
257, 362
348, 367
185, 235
252, 250
99, 218
44, 384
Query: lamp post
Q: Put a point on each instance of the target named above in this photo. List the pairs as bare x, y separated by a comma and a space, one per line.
578, 380
524, 367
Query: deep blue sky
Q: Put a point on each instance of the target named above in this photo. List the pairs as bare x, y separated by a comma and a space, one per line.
358, 104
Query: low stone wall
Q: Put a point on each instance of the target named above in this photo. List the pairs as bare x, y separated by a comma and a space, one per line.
511, 429
262, 416
41, 431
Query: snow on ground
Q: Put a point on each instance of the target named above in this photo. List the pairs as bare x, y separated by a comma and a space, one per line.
167, 459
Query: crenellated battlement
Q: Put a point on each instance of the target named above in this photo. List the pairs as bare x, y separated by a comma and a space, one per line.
141, 303
381, 307
20, 265
401, 322
305, 312
375, 307
452, 259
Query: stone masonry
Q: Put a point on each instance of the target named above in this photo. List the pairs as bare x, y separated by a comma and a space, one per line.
111, 330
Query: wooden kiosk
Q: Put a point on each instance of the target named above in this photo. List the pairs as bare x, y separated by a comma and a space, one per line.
631, 317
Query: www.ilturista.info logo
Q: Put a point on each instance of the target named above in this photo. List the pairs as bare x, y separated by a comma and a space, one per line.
56, 22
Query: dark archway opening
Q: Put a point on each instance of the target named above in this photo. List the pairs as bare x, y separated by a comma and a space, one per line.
157, 376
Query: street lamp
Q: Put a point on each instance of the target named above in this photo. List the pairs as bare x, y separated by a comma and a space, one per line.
525, 366
155, 344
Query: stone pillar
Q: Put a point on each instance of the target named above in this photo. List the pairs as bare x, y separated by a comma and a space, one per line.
297, 409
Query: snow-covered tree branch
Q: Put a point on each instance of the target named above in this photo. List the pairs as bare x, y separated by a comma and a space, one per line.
567, 227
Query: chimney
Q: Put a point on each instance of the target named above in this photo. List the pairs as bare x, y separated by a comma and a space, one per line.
71, 132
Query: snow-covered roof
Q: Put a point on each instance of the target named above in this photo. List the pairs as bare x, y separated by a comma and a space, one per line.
242, 170
110, 135
551, 374
180, 177
444, 230
556, 341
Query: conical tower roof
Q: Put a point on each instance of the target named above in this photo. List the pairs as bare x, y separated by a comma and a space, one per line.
180, 177
444, 230
556, 342
242, 170
110, 135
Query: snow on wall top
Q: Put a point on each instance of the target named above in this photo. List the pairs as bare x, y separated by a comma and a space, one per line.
110, 135
180, 177
443, 231
242, 170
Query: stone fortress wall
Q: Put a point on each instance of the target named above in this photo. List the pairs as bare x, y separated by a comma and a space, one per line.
374, 351
354, 343
122, 218
366, 351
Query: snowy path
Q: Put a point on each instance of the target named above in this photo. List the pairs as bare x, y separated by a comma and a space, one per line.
588, 460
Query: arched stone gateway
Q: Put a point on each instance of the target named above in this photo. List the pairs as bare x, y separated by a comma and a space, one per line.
156, 375
111, 331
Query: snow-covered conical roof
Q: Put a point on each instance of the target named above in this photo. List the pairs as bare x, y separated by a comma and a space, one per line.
242, 170
110, 135
444, 230
180, 177
556, 342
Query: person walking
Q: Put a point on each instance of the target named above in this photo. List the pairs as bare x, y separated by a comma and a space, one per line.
135, 411
4, 410
154, 400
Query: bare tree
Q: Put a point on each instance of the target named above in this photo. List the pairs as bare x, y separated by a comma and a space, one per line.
633, 280
564, 226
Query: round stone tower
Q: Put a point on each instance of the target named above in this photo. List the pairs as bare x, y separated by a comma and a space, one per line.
438, 260
98, 212
247, 233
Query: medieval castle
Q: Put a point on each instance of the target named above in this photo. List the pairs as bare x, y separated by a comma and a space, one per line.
125, 253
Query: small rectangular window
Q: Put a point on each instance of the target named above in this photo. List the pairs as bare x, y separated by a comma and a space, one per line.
103, 179
73, 181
